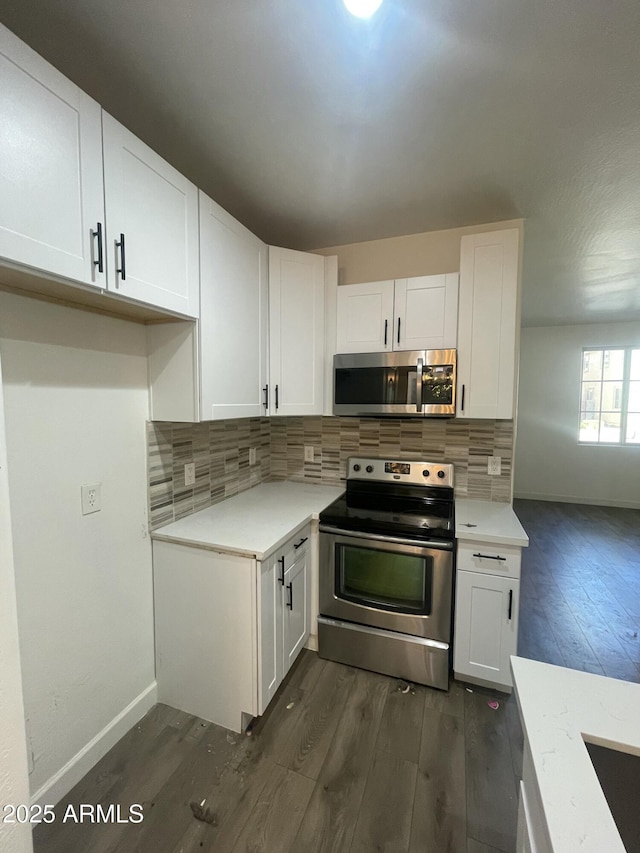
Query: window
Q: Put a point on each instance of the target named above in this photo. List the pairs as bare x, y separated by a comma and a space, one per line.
610, 396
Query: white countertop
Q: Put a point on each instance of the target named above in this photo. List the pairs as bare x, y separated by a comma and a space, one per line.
491, 522
557, 707
253, 523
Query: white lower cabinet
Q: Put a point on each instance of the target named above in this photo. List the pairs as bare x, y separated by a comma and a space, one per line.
486, 614
228, 627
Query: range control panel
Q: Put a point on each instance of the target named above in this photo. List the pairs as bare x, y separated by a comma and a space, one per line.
400, 471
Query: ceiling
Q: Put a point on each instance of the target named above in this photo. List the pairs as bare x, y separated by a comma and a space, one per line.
318, 129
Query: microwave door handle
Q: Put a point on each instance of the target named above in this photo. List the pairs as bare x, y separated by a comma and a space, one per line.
419, 385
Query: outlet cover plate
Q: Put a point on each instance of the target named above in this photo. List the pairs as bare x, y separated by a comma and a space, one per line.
308, 453
252, 456
494, 465
91, 498
189, 473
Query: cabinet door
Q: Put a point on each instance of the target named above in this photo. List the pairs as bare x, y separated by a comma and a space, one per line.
296, 332
365, 317
486, 627
295, 610
233, 316
156, 209
426, 312
50, 168
488, 325
270, 655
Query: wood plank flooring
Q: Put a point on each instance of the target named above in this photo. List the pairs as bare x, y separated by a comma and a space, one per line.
353, 765
580, 587
343, 760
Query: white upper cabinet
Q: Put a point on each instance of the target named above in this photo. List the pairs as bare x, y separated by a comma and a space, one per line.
488, 325
405, 314
233, 317
365, 317
296, 332
51, 197
152, 219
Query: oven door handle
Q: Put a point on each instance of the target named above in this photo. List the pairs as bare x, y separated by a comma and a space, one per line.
419, 369
395, 540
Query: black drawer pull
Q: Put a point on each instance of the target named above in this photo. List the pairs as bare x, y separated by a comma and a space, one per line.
281, 578
510, 604
300, 543
386, 327
489, 557
290, 602
276, 398
266, 397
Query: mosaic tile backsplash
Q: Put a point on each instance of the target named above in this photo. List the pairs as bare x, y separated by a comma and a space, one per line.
220, 450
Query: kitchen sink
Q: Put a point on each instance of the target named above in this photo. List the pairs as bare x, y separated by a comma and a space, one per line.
619, 776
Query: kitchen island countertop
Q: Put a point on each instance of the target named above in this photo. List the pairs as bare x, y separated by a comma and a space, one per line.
561, 708
489, 521
253, 523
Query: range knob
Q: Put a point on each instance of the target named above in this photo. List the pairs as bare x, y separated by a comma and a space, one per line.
369, 469
441, 474
425, 473
356, 467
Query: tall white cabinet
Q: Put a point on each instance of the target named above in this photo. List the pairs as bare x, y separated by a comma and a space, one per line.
400, 314
296, 332
234, 316
51, 190
488, 325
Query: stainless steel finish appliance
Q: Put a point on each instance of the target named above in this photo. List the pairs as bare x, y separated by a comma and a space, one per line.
417, 383
386, 570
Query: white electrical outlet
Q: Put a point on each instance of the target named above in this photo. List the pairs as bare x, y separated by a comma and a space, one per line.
308, 453
91, 498
494, 465
252, 456
189, 473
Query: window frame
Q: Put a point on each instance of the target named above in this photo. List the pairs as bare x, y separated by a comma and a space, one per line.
624, 396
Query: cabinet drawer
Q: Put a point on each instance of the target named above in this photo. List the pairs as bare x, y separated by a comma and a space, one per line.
294, 548
490, 558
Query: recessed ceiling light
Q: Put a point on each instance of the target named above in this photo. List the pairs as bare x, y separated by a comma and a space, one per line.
362, 8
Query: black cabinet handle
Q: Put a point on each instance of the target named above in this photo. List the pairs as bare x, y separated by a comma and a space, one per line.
300, 543
489, 557
398, 329
98, 233
281, 578
462, 400
290, 602
122, 269
510, 604
386, 328
266, 397
276, 398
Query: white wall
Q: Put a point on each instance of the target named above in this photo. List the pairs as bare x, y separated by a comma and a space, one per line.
14, 781
76, 401
549, 462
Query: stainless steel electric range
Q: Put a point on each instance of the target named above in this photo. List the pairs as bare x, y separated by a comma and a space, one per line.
386, 570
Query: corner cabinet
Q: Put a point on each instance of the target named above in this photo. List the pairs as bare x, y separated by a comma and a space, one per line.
486, 612
51, 177
401, 314
488, 325
296, 332
228, 627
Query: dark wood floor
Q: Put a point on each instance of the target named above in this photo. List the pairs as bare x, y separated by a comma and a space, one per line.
580, 587
343, 760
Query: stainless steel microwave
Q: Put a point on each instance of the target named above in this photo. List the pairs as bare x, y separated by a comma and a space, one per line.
417, 383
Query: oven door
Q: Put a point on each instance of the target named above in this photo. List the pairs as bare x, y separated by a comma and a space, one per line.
386, 582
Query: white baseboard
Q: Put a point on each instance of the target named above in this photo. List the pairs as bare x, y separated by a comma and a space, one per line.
576, 499
55, 788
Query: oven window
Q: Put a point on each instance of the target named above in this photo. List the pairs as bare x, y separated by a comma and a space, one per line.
384, 579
